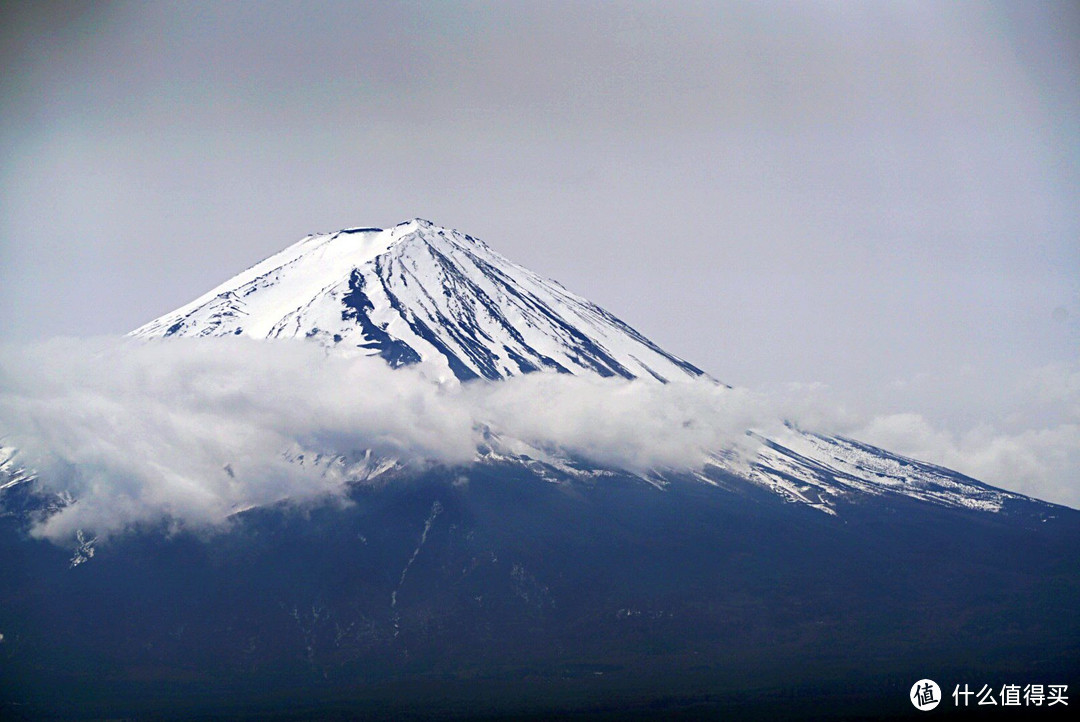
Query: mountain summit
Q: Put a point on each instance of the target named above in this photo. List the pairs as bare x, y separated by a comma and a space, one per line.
421, 294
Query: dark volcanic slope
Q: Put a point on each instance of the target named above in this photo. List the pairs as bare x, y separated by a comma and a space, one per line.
512, 594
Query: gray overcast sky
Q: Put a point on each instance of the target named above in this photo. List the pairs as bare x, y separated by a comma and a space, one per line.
881, 197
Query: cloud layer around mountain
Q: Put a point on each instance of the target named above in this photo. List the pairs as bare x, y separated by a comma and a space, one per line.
192, 430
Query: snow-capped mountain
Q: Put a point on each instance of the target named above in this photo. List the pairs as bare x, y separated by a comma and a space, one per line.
526, 581
421, 294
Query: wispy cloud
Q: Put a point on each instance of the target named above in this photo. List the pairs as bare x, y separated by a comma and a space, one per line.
192, 430
1034, 448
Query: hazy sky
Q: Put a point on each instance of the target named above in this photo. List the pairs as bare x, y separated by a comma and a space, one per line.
879, 201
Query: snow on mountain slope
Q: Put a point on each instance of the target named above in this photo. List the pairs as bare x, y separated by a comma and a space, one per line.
421, 294
11, 471
819, 471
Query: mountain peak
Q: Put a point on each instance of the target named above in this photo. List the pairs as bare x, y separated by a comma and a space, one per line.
420, 222
423, 294
433, 232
